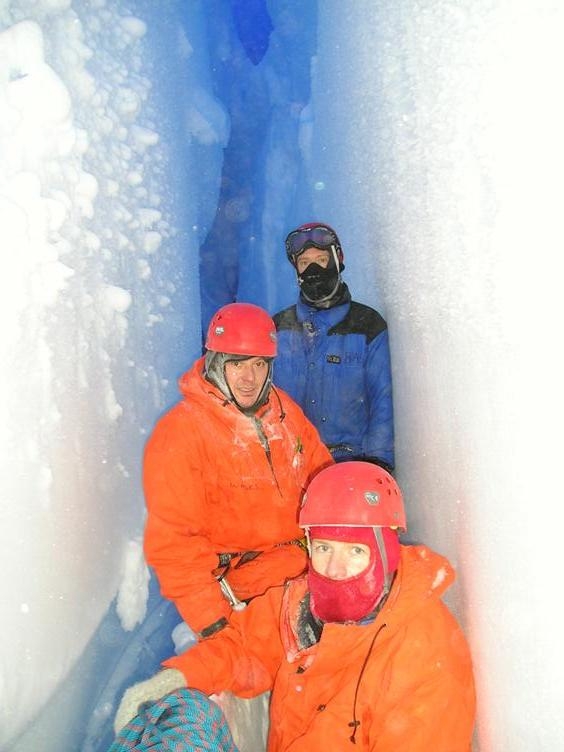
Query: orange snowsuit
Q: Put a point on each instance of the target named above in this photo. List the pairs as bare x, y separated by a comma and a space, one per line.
402, 683
217, 482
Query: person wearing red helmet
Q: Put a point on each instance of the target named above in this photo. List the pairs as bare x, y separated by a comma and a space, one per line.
358, 650
223, 474
333, 353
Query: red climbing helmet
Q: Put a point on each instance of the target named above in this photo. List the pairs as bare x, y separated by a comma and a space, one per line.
242, 329
316, 234
353, 494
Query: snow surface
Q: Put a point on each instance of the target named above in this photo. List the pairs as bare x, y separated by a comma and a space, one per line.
152, 158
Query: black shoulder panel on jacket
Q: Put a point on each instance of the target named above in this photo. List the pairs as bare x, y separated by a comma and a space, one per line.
361, 319
286, 319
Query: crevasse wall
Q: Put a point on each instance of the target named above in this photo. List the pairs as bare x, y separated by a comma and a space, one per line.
438, 152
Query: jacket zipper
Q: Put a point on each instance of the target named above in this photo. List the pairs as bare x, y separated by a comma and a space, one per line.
266, 446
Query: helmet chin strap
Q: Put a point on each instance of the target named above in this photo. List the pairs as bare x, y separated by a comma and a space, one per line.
337, 283
384, 559
308, 541
262, 397
214, 372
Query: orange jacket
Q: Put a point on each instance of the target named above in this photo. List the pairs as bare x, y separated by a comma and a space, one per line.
217, 481
406, 678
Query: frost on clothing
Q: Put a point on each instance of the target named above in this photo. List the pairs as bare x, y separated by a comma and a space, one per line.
218, 481
415, 694
335, 363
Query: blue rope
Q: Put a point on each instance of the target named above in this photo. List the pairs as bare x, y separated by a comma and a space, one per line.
183, 721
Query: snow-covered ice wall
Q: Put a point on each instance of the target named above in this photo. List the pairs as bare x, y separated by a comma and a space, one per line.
99, 218
152, 157
443, 163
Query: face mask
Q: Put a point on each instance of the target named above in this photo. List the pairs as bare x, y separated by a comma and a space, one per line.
345, 600
356, 597
318, 284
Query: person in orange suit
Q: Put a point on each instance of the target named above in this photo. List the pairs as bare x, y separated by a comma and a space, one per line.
224, 472
359, 649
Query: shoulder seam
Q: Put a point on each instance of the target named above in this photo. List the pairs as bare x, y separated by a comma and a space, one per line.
286, 319
360, 319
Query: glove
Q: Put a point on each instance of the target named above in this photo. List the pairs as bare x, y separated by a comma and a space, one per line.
146, 691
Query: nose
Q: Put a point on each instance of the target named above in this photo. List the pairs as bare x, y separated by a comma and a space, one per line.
247, 373
337, 566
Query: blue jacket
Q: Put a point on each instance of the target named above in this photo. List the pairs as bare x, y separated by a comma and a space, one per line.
335, 363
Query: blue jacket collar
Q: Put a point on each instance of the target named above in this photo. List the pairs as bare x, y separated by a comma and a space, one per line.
325, 317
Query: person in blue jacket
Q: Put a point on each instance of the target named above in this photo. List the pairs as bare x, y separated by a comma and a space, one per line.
333, 353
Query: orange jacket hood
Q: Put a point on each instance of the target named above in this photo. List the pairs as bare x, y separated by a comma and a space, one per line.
423, 575
193, 385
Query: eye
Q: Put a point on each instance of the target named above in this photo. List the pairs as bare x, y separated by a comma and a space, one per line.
320, 548
359, 551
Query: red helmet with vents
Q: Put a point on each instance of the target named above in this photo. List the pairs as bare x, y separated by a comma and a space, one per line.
353, 494
242, 329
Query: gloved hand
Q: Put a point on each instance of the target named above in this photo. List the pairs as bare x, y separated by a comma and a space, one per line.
157, 686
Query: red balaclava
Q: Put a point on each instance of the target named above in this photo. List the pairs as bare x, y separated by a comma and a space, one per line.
356, 597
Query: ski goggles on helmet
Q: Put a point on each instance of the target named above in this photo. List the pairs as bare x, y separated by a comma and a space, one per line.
318, 236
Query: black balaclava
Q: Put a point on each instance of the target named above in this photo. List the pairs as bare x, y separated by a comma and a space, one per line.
322, 287
214, 372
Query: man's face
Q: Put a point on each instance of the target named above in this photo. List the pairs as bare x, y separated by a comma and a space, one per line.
246, 379
339, 560
312, 256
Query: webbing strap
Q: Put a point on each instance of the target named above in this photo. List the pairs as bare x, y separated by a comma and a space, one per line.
225, 558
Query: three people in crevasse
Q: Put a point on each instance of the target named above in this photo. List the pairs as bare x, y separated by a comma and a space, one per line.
353, 641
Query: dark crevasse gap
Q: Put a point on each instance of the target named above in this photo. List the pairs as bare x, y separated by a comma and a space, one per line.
260, 197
